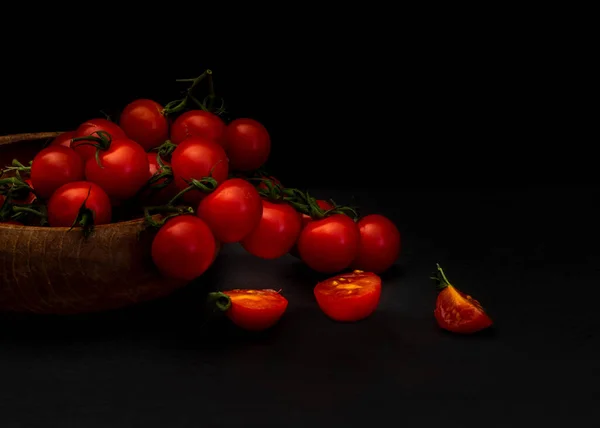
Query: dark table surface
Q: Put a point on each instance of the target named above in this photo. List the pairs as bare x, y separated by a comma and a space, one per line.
529, 255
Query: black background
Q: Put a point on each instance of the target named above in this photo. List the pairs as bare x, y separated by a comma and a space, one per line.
467, 142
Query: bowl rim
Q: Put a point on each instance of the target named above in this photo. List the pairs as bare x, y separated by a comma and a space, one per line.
34, 136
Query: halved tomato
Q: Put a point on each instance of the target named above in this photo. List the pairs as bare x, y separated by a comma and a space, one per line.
349, 297
253, 310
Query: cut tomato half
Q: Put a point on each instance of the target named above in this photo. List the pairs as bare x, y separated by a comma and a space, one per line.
253, 310
349, 297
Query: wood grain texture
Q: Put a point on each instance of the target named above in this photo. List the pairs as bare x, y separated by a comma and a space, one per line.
56, 271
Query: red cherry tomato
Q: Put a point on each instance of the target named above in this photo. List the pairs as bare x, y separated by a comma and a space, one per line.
63, 139
323, 204
89, 128
184, 248
231, 211
54, 166
66, 201
326, 205
197, 158
276, 232
329, 245
255, 310
247, 143
2, 198
349, 297
164, 195
379, 244
142, 121
124, 169
456, 311
197, 123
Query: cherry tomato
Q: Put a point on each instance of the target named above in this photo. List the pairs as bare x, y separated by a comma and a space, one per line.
54, 166
164, 195
326, 205
197, 158
184, 248
276, 232
349, 297
66, 201
379, 244
232, 211
329, 245
14, 223
456, 311
323, 204
197, 123
255, 310
124, 169
89, 128
63, 139
2, 198
142, 121
247, 143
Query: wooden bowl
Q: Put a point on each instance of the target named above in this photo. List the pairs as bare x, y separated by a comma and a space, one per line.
48, 270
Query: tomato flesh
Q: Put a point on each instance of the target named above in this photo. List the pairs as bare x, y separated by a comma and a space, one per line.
255, 310
459, 313
349, 297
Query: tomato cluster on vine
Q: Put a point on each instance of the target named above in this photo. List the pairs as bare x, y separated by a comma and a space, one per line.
200, 182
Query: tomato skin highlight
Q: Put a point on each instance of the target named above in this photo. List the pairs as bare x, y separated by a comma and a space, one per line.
276, 232
349, 297
231, 211
197, 123
124, 169
248, 144
184, 248
255, 310
329, 245
459, 313
63, 139
89, 128
65, 202
379, 244
143, 122
197, 158
54, 166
